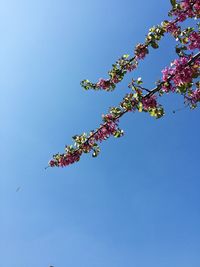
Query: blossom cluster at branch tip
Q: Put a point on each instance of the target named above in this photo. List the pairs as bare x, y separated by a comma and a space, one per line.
62, 160
86, 144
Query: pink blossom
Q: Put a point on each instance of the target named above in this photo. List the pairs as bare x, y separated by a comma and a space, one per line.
62, 160
186, 10
172, 28
52, 163
107, 129
167, 72
149, 102
183, 73
167, 87
69, 158
194, 39
197, 7
104, 84
115, 79
195, 96
179, 72
141, 51
108, 117
130, 67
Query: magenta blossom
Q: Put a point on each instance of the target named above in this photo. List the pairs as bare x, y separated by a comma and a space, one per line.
167, 72
130, 67
187, 10
195, 96
141, 51
179, 72
194, 40
149, 102
182, 73
107, 129
115, 79
104, 84
172, 28
62, 160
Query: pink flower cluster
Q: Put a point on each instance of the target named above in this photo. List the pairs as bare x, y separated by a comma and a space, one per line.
189, 9
195, 96
197, 7
106, 130
180, 72
141, 51
108, 117
194, 40
115, 79
173, 28
130, 67
104, 84
65, 159
149, 102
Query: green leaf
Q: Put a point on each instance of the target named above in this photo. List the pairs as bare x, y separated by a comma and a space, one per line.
140, 107
154, 45
139, 80
125, 56
173, 2
118, 133
95, 153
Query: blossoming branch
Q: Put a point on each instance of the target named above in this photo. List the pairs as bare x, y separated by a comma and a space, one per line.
180, 77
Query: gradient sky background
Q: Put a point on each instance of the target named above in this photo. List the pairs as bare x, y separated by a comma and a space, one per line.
138, 203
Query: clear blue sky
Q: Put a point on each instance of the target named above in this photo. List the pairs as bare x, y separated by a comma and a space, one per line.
137, 204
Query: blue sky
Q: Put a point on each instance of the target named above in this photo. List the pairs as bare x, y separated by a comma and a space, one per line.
137, 204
